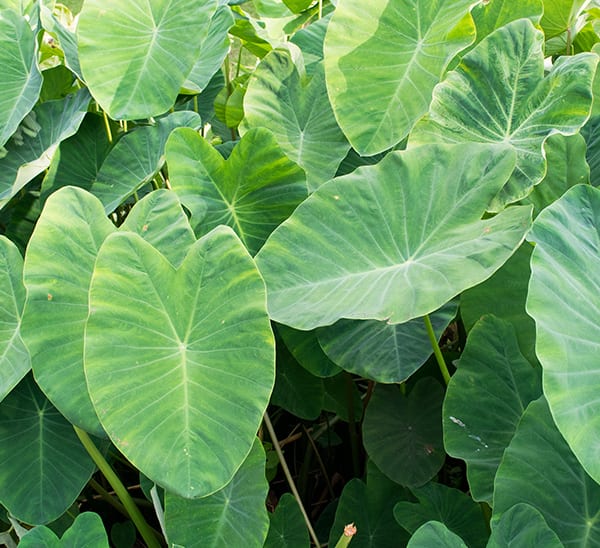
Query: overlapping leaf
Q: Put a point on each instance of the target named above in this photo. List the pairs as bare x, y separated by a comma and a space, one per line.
383, 62
252, 191
563, 301
498, 94
297, 110
360, 248
21, 79
162, 344
136, 56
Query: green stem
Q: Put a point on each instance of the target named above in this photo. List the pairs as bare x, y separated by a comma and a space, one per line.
107, 126
436, 349
289, 477
118, 487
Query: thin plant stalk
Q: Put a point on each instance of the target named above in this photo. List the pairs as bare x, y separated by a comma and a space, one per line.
436, 349
107, 126
118, 487
289, 477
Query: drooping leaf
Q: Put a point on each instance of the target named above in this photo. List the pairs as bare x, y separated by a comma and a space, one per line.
310, 41
434, 533
78, 158
358, 248
287, 528
43, 466
297, 110
562, 300
485, 400
136, 158
176, 338
233, 516
21, 79
377, 98
370, 507
252, 191
591, 134
87, 531
213, 50
403, 433
539, 469
14, 356
381, 351
136, 56
510, 61
28, 155
522, 525
67, 38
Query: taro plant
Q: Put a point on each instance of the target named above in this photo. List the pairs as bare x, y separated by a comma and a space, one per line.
300, 272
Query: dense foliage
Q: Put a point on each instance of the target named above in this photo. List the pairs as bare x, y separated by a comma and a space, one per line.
269, 268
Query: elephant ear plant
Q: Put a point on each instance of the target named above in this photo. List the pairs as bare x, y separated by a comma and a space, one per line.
299, 273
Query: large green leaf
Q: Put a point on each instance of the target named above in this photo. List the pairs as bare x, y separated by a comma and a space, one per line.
455, 509
381, 351
297, 110
21, 79
14, 356
233, 516
403, 434
287, 528
87, 531
162, 343
252, 191
135, 56
524, 108
435, 533
57, 273
383, 62
538, 468
485, 400
136, 158
563, 301
393, 241
522, 525
43, 466
213, 50
30, 153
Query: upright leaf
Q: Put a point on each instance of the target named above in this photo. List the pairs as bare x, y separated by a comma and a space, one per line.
297, 110
360, 248
382, 64
510, 62
563, 301
87, 531
43, 466
287, 528
252, 191
160, 346
136, 56
21, 79
14, 356
435, 533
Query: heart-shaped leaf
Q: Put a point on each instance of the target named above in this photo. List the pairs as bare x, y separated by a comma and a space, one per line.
485, 400
434, 533
381, 351
87, 530
287, 528
510, 61
14, 356
361, 248
136, 56
39, 454
538, 468
252, 191
21, 79
30, 150
563, 301
136, 158
160, 345
234, 516
377, 98
297, 110
403, 434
